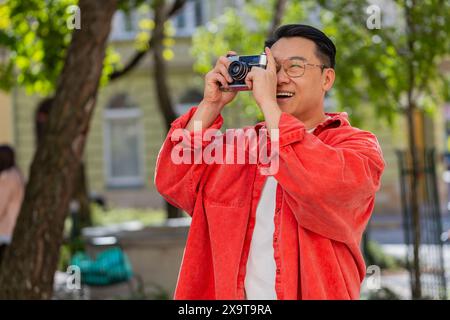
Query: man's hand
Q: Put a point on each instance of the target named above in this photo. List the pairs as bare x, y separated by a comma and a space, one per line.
213, 98
263, 83
214, 79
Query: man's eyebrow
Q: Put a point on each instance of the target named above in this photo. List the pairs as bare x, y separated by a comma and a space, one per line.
294, 57
297, 57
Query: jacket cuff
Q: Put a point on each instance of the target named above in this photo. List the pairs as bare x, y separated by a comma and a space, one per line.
181, 123
291, 129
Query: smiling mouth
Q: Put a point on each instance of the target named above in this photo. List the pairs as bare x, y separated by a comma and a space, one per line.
285, 95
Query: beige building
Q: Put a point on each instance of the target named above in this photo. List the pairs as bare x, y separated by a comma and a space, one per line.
6, 120
127, 128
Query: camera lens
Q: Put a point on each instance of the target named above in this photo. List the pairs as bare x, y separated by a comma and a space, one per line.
238, 70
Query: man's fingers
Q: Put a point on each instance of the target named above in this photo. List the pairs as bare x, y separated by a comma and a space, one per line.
271, 64
217, 77
224, 72
249, 80
223, 61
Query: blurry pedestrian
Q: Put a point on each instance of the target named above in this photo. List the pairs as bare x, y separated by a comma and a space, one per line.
11, 195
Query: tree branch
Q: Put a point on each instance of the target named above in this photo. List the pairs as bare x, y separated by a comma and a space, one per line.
138, 55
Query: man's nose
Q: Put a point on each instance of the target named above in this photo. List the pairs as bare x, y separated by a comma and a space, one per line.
282, 77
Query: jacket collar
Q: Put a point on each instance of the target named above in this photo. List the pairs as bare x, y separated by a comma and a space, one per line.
337, 119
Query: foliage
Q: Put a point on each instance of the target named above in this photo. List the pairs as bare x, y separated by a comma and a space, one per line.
102, 217
35, 38
383, 294
35, 34
64, 257
381, 259
243, 32
373, 67
380, 62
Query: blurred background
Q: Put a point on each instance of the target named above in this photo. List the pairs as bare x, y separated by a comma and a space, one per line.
88, 90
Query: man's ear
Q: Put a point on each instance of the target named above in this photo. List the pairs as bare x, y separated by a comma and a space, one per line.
328, 79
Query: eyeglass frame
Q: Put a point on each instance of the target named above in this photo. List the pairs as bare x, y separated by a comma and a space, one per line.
279, 66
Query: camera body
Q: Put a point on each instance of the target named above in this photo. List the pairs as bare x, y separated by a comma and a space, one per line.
239, 67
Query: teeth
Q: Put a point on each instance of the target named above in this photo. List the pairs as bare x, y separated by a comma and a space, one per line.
285, 94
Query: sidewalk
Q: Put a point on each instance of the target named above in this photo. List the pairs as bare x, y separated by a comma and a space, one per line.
387, 231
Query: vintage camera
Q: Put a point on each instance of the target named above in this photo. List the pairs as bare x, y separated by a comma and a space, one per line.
239, 67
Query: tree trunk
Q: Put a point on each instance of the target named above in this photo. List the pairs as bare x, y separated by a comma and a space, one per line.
160, 79
278, 13
414, 201
29, 264
80, 193
414, 184
81, 196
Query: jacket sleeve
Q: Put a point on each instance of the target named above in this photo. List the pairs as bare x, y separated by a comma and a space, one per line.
178, 182
330, 187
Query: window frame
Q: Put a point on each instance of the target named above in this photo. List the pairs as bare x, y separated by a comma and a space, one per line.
126, 181
189, 15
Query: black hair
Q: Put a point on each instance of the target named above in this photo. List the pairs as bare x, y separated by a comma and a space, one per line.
41, 118
7, 157
325, 49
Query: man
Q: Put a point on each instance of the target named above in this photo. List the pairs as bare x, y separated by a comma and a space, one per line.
296, 233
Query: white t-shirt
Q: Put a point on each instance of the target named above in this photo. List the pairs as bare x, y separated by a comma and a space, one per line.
259, 280
260, 276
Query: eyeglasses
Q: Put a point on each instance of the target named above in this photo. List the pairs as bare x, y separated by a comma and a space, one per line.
295, 68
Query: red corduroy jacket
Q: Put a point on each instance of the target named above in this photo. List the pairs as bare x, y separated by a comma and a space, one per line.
326, 189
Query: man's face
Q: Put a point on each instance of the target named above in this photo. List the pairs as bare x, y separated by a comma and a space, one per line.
310, 88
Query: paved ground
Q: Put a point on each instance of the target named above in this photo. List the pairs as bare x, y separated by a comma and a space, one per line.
388, 232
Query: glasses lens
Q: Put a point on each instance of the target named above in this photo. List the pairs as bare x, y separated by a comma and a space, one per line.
294, 68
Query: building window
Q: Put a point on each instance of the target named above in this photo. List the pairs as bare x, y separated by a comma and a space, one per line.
125, 25
123, 143
191, 16
129, 22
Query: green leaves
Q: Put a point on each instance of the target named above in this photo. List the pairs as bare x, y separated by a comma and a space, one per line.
242, 31
36, 36
112, 62
372, 66
370, 63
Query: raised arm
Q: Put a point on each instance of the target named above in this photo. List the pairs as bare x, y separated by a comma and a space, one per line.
330, 185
